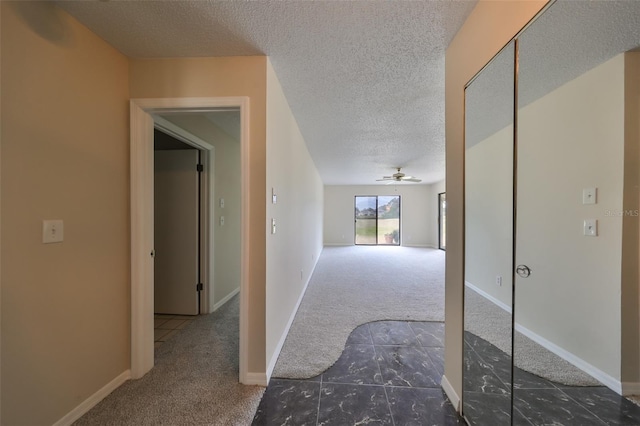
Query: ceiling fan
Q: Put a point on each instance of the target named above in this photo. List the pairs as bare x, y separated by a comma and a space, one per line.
399, 177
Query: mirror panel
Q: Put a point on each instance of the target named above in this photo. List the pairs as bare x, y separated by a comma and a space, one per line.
573, 165
489, 104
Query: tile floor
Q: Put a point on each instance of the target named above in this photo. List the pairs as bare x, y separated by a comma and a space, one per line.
166, 326
388, 374
537, 401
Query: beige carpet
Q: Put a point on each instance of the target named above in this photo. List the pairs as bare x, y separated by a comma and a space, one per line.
354, 285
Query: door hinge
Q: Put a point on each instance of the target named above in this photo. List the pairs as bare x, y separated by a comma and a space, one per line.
200, 167
199, 287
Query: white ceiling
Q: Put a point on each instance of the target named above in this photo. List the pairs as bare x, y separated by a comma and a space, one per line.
365, 79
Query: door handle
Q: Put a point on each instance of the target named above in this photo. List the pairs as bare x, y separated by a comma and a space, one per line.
523, 271
153, 253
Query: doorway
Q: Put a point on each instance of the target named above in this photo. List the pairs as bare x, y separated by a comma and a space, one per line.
145, 115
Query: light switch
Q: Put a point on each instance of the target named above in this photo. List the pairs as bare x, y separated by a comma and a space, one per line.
52, 231
221, 220
222, 203
274, 197
273, 226
590, 228
589, 196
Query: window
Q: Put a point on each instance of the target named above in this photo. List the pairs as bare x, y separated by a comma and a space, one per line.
377, 220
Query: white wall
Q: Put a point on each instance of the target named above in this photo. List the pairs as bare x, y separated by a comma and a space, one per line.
573, 138
293, 250
416, 212
226, 251
489, 214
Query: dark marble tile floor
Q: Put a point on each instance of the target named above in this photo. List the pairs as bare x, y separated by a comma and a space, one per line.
537, 401
388, 374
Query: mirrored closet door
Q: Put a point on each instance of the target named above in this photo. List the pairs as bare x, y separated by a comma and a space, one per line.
572, 192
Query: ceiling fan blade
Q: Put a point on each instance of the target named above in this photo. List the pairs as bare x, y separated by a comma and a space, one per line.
383, 179
412, 180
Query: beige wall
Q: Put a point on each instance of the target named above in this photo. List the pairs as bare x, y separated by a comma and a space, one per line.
489, 27
293, 250
214, 77
65, 155
415, 203
226, 172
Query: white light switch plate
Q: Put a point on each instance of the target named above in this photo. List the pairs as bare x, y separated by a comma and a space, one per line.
273, 226
52, 231
222, 203
590, 228
221, 220
589, 196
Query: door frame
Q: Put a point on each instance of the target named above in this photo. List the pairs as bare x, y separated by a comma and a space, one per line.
141, 199
206, 194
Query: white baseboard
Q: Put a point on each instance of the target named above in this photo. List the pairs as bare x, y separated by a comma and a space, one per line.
283, 337
451, 393
259, 379
337, 244
225, 299
630, 388
93, 400
489, 297
605, 378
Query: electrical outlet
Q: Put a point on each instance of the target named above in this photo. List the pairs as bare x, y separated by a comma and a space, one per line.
499, 280
52, 231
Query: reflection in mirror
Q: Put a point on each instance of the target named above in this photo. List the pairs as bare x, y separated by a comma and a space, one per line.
488, 242
576, 315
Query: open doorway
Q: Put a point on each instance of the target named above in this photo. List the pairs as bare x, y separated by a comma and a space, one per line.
165, 114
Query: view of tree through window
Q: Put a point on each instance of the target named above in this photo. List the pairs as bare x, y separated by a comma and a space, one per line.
377, 220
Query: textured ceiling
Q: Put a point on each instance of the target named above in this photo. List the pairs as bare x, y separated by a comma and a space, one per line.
365, 79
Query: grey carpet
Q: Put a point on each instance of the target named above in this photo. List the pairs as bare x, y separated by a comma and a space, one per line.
358, 284
493, 324
194, 381
354, 285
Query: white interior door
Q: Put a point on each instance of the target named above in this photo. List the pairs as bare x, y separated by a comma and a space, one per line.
176, 232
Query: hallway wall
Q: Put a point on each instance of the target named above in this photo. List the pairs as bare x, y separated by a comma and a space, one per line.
65, 155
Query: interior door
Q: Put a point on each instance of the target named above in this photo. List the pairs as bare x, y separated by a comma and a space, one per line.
176, 192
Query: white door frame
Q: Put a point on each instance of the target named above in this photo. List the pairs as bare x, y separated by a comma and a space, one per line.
141, 163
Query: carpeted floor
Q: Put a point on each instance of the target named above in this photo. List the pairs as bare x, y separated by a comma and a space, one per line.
354, 285
358, 284
488, 321
194, 381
